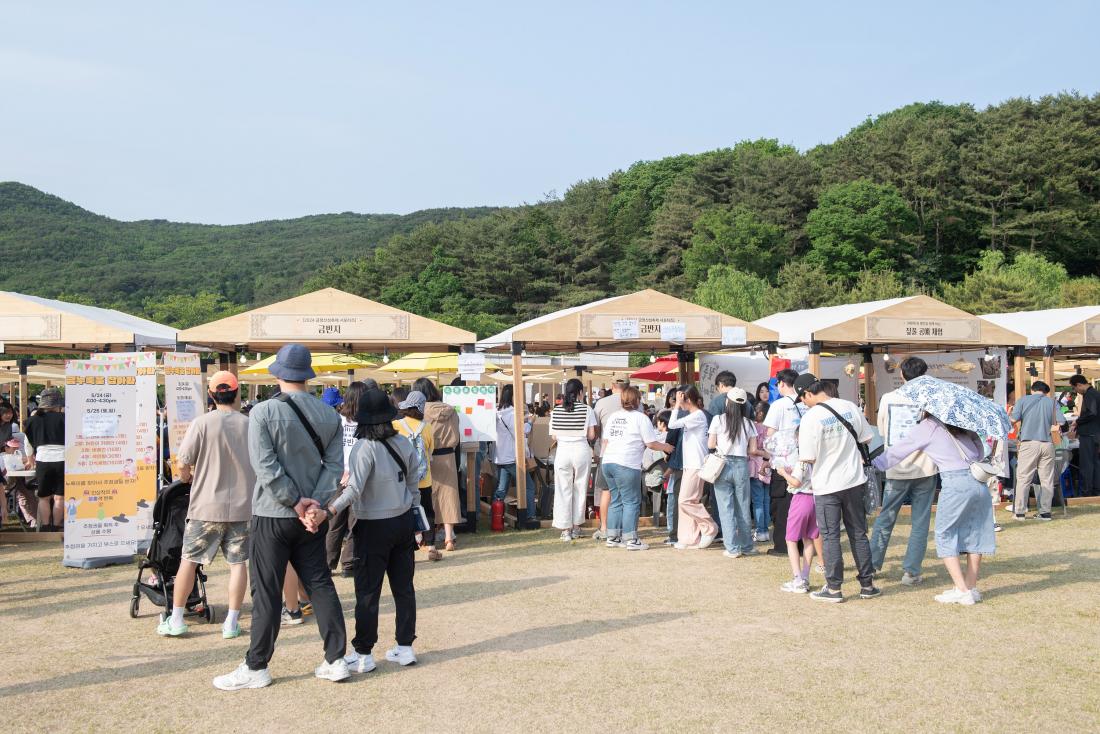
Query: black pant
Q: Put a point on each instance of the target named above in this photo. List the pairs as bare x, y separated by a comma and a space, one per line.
339, 528
831, 508
1090, 466
780, 506
275, 541
386, 548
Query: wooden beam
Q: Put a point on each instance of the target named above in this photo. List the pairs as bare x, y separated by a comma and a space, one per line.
814, 360
1019, 375
472, 478
1048, 368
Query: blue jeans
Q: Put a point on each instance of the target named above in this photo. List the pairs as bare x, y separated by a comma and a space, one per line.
731, 494
507, 473
626, 500
761, 505
673, 480
920, 493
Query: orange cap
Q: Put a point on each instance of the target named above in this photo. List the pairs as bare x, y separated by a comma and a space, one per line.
223, 381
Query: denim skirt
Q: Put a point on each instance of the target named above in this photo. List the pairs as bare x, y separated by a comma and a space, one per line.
964, 516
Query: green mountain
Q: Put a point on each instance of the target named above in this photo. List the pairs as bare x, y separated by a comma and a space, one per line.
65, 251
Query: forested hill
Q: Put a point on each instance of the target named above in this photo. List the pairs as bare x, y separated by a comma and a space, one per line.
53, 248
992, 210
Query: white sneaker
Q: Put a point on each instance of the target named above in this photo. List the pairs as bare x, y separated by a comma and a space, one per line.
796, 586
578, 533
567, 536
684, 546
977, 595
954, 596
910, 580
762, 537
401, 655
243, 677
705, 541
732, 554
335, 671
634, 544
360, 663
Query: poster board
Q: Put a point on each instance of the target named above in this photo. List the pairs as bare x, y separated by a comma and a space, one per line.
110, 475
476, 406
184, 397
969, 368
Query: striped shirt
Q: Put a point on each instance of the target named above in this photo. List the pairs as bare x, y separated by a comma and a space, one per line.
572, 425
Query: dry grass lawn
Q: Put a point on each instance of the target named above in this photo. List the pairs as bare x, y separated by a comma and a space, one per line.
523, 633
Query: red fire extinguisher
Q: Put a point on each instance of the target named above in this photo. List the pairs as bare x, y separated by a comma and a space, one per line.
498, 516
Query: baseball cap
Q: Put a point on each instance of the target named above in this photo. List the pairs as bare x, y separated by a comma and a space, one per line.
803, 381
224, 381
737, 395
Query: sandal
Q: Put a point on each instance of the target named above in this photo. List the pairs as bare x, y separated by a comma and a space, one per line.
434, 555
449, 545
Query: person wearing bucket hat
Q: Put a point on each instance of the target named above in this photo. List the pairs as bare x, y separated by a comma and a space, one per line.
384, 496
295, 446
46, 433
331, 397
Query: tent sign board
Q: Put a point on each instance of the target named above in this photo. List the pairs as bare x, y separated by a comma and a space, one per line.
31, 327
674, 331
110, 477
734, 336
471, 365
334, 327
923, 329
476, 406
602, 326
183, 396
985, 374
625, 329
1092, 332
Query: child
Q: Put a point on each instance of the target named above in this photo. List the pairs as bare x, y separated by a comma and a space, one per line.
801, 524
760, 477
655, 463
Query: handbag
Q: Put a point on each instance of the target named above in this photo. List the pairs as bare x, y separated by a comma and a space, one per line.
712, 468
872, 493
983, 471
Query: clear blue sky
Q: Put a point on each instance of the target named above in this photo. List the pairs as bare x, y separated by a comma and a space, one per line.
228, 112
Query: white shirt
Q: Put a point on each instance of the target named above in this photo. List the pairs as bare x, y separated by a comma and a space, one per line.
825, 441
784, 417
628, 431
732, 448
349, 438
567, 436
693, 439
506, 437
606, 407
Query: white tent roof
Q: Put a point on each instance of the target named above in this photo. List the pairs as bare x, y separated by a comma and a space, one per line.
144, 332
1040, 326
504, 338
798, 327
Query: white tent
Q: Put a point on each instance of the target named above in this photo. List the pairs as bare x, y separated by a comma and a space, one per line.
35, 324
1055, 327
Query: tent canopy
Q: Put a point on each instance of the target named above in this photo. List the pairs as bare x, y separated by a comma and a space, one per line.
1056, 327
429, 362
914, 320
30, 324
636, 322
328, 320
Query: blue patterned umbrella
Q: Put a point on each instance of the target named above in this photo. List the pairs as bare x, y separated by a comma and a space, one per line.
957, 405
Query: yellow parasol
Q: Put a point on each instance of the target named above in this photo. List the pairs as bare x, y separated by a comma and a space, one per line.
443, 362
322, 362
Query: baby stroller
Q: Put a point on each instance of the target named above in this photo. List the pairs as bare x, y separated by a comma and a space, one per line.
163, 558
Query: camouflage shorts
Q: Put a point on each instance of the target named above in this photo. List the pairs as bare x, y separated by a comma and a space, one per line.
201, 540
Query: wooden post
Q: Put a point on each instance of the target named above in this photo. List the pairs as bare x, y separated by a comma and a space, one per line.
233, 371
519, 401
683, 369
1048, 368
1019, 374
23, 391
871, 408
814, 361
472, 500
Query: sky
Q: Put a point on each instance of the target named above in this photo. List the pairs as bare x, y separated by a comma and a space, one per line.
223, 113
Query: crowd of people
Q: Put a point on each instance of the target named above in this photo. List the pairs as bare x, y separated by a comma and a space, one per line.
300, 487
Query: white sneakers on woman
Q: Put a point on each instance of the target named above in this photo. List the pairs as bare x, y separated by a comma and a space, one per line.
954, 596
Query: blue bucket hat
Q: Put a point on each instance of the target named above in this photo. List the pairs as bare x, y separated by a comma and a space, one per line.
331, 397
293, 363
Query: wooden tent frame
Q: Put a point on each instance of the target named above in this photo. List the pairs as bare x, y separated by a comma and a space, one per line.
592, 327
900, 325
1082, 336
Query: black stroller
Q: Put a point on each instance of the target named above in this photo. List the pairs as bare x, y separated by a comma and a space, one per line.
163, 557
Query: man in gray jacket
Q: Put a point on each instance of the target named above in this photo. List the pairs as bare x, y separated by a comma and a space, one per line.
296, 449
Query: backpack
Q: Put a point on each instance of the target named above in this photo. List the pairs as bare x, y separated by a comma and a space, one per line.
421, 468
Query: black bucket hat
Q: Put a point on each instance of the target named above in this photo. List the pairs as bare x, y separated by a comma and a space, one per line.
374, 408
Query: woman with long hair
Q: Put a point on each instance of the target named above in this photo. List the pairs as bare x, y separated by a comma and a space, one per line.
964, 514
505, 452
695, 528
629, 433
573, 426
763, 393
382, 494
733, 435
446, 497
339, 529
410, 423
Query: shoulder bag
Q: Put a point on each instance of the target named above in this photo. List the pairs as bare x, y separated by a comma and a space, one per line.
872, 494
419, 515
982, 471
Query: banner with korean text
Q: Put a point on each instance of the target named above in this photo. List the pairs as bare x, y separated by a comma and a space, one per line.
184, 397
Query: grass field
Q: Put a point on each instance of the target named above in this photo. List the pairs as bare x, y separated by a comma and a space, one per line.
520, 632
